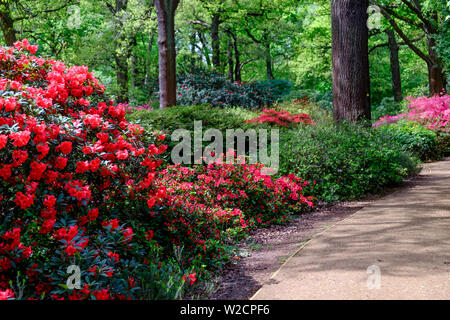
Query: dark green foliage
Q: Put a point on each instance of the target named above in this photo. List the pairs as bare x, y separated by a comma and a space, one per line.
414, 138
387, 106
213, 88
347, 162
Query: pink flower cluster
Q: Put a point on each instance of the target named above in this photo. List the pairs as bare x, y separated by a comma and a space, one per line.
433, 113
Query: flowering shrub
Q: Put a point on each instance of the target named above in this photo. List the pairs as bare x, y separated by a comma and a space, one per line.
282, 118
80, 186
386, 120
205, 87
347, 161
433, 113
72, 171
415, 139
131, 109
208, 204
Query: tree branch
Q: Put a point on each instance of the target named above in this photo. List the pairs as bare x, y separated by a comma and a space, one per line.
201, 23
381, 45
417, 10
402, 35
34, 15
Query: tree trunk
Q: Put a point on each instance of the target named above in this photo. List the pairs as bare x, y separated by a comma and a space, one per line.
215, 43
268, 56
269, 62
205, 49
351, 82
193, 41
436, 77
122, 76
147, 59
230, 58
165, 10
7, 26
395, 66
237, 65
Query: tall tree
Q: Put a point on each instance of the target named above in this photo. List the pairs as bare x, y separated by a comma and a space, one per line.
165, 11
395, 66
425, 17
351, 90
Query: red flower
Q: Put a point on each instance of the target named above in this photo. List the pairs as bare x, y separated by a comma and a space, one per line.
93, 214
6, 295
191, 278
82, 166
61, 163
20, 139
101, 294
43, 149
65, 147
94, 165
47, 226
5, 172
122, 154
37, 169
151, 202
50, 201
149, 235
70, 250
114, 223
114, 256
24, 201
3, 141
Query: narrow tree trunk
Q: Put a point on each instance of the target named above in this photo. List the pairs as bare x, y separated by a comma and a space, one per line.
134, 70
436, 76
351, 83
7, 26
237, 65
215, 43
165, 10
193, 42
122, 76
205, 50
147, 60
269, 62
437, 79
395, 66
230, 58
268, 56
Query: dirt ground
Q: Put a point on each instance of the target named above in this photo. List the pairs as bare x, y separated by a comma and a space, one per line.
265, 250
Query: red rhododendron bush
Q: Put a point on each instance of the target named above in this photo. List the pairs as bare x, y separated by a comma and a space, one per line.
222, 201
72, 173
84, 197
282, 118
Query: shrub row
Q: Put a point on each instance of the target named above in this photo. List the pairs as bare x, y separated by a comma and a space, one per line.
82, 187
346, 161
